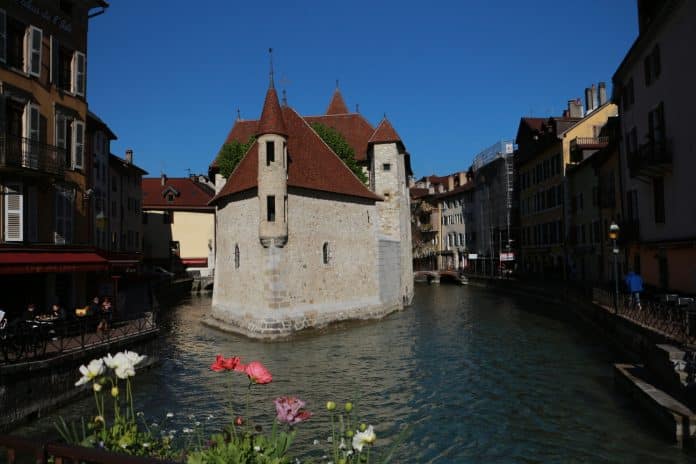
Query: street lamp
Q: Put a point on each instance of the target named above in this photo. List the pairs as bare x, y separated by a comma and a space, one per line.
613, 235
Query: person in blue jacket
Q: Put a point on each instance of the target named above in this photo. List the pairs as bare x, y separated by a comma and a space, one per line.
634, 284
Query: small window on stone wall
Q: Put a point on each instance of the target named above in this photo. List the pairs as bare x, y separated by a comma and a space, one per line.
326, 252
386, 166
236, 256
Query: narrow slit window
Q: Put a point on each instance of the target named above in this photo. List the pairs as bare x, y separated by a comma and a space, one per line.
326, 252
270, 153
270, 208
236, 256
386, 166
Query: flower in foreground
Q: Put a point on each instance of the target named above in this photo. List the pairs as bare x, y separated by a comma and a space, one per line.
290, 410
362, 438
123, 364
227, 364
89, 372
258, 373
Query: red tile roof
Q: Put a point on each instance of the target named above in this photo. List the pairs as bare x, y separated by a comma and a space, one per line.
385, 133
418, 192
191, 194
311, 165
271, 121
352, 126
337, 105
241, 132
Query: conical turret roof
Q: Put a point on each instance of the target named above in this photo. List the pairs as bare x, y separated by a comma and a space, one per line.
385, 133
337, 105
271, 121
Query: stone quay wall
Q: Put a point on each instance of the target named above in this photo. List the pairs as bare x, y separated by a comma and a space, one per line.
30, 390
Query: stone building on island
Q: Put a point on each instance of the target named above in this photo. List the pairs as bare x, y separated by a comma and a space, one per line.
301, 240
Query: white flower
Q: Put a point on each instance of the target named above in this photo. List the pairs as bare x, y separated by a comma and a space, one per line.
187, 430
146, 445
123, 363
170, 415
197, 423
257, 448
361, 438
210, 416
134, 357
154, 424
94, 369
124, 371
342, 445
97, 387
329, 439
315, 442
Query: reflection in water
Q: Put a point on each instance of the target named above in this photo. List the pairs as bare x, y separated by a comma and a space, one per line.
482, 377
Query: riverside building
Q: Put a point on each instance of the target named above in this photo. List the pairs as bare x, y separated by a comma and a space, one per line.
46, 246
654, 86
301, 240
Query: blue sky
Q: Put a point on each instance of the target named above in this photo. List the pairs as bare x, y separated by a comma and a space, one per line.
452, 77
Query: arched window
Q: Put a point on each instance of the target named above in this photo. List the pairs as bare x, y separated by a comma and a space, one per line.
326, 253
236, 256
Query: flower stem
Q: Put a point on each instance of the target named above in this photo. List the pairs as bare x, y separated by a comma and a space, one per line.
333, 438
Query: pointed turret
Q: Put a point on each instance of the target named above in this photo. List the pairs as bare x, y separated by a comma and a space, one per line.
271, 121
385, 133
272, 171
337, 105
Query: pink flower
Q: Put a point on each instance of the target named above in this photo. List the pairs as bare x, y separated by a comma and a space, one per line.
290, 411
258, 373
229, 364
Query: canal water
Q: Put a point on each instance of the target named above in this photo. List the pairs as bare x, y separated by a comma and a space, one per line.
479, 376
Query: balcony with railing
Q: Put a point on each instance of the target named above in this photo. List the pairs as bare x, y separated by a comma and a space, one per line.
582, 147
27, 155
652, 159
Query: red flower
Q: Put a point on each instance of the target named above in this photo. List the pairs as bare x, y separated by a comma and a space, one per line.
229, 364
258, 373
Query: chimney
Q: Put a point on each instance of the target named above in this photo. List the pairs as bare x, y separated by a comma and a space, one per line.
163, 179
602, 93
594, 96
588, 100
450, 182
129, 156
462, 178
575, 108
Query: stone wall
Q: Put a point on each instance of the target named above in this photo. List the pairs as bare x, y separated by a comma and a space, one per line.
279, 290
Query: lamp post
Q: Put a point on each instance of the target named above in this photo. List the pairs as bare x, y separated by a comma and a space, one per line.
613, 235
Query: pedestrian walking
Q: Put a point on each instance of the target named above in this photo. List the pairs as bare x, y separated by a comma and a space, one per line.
634, 285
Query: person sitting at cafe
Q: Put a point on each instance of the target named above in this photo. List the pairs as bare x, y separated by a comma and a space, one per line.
94, 307
106, 313
30, 313
57, 312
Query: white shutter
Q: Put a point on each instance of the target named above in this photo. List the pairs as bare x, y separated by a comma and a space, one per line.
54, 60
61, 131
30, 149
14, 213
78, 144
3, 36
32, 215
59, 225
32, 46
78, 73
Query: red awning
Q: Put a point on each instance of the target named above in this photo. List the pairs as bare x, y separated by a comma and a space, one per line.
42, 262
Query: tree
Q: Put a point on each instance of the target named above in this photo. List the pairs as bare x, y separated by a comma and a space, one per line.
231, 154
340, 146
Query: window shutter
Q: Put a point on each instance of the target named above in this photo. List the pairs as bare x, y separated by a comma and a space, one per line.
14, 213
33, 51
55, 48
32, 215
78, 73
3, 115
32, 124
78, 146
3, 36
